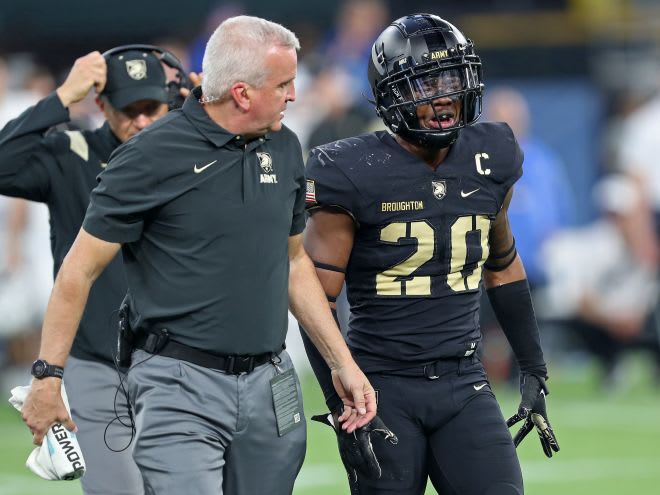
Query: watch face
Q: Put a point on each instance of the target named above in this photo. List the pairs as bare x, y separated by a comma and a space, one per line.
38, 368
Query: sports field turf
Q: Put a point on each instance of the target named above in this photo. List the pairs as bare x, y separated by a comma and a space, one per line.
610, 442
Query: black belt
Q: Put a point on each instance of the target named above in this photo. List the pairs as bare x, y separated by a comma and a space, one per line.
433, 370
160, 344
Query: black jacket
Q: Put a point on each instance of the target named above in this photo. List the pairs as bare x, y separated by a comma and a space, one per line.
60, 169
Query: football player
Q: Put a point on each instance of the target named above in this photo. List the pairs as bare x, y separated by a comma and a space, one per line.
415, 221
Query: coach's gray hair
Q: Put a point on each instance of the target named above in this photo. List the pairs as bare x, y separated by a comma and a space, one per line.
236, 50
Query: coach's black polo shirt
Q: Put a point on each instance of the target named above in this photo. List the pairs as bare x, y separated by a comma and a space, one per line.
204, 219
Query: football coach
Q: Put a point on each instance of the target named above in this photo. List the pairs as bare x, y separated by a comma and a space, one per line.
207, 206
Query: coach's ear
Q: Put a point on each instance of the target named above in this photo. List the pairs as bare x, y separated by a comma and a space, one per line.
241, 96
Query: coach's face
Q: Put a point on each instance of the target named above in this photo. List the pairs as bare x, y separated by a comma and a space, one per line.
268, 101
128, 121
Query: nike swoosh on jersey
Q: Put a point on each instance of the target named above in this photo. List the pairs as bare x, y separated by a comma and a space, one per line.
199, 170
466, 194
479, 387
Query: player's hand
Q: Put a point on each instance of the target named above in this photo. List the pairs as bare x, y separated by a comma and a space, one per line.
355, 449
44, 407
87, 71
357, 394
533, 411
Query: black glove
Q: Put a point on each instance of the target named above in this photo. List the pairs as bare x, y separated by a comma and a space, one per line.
532, 410
355, 448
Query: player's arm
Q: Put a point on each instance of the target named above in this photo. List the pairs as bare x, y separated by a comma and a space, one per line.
509, 294
328, 241
506, 282
81, 267
309, 305
329, 238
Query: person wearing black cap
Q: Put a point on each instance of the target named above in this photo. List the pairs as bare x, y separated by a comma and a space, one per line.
60, 169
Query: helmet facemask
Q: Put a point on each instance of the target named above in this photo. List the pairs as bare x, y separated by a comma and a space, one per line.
422, 60
437, 84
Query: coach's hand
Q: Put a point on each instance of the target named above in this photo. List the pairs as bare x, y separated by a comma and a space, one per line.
533, 411
87, 71
357, 395
356, 451
44, 407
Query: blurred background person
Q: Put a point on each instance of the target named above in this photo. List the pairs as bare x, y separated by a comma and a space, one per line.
639, 149
347, 45
603, 295
341, 116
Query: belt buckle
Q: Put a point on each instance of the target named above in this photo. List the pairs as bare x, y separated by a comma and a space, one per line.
428, 374
249, 361
239, 364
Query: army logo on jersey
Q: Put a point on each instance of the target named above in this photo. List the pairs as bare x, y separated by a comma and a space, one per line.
266, 164
439, 188
137, 69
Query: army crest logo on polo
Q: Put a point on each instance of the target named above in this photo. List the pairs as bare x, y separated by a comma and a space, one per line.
265, 162
137, 69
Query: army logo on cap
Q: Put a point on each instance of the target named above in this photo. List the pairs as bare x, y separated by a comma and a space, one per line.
137, 69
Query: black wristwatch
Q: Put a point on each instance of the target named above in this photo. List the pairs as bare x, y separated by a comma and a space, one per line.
41, 369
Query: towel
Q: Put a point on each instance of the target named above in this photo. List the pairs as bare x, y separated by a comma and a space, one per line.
59, 456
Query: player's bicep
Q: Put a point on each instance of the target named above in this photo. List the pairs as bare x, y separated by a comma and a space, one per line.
500, 239
328, 240
503, 264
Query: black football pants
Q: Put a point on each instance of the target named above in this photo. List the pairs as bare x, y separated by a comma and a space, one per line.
450, 429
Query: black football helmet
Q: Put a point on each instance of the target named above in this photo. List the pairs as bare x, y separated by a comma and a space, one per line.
420, 59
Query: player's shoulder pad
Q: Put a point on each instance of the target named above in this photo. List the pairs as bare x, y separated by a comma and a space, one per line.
335, 171
348, 157
497, 152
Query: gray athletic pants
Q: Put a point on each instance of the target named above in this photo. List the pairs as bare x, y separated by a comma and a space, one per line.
203, 431
91, 386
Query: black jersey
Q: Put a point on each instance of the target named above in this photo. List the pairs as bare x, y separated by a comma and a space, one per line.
414, 275
60, 169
